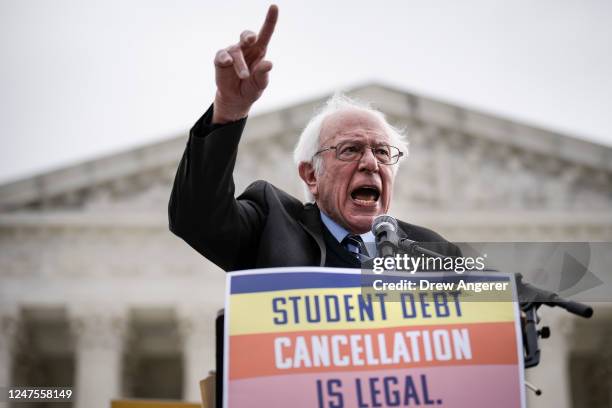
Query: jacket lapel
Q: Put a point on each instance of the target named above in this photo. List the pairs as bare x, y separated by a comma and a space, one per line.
310, 220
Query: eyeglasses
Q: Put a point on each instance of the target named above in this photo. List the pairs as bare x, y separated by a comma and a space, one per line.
354, 151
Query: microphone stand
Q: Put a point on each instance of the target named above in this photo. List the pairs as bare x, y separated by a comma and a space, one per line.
531, 299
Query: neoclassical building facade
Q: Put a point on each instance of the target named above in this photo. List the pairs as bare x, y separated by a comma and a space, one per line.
96, 293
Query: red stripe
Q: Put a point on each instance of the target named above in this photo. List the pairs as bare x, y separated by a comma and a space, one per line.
252, 355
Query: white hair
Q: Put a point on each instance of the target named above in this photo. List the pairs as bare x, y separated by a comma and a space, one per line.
309, 143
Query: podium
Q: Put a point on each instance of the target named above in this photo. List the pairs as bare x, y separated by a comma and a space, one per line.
321, 336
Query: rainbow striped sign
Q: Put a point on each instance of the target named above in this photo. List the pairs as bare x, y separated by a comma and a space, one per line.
312, 337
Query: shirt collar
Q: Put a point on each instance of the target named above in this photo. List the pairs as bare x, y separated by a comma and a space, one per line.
339, 232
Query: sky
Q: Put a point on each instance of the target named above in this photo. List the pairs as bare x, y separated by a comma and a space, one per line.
83, 78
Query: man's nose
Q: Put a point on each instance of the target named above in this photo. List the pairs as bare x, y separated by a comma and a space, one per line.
368, 161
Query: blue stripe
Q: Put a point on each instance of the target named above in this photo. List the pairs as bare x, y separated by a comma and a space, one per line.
269, 282
292, 280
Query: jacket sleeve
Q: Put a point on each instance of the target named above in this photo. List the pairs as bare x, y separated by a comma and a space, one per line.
202, 208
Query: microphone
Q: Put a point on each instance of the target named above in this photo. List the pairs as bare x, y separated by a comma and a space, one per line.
384, 228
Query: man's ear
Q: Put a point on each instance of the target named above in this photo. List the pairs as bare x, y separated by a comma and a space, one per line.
308, 174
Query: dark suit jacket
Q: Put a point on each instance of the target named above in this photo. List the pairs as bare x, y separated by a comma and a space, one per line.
264, 226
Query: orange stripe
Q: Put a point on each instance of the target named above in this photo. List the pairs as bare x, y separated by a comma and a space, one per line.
252, 355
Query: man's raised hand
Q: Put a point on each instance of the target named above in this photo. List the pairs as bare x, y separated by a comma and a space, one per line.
241, 72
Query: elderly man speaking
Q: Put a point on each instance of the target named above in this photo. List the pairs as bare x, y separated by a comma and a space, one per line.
347, 156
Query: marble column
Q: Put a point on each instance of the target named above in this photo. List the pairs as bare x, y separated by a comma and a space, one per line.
197, 327
99, 335
8, 331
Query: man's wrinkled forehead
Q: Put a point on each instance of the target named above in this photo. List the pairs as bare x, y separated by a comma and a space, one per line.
352, 123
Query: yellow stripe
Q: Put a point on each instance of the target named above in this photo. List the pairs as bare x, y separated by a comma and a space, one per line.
253, 313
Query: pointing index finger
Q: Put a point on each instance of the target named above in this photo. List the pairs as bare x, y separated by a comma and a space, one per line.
268, 26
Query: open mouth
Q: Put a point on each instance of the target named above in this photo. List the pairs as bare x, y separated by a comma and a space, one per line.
366, 194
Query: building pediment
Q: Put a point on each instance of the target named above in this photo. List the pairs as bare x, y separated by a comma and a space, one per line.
460, 159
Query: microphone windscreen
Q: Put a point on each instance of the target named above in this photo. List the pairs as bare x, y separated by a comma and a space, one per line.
382, 221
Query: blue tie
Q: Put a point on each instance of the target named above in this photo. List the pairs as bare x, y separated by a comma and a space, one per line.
354, 244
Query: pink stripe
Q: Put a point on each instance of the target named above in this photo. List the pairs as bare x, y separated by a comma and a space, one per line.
468, 386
